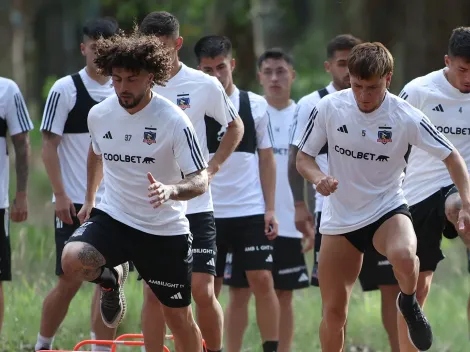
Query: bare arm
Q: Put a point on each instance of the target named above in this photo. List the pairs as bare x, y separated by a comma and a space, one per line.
228, 144
94, 175
191, 186
308, 168
50, 157
22, 155
267, 171
296, 181
459, 174
19, 209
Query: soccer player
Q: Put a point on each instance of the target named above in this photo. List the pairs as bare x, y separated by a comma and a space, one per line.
443, 95
365, 206
64, 151
244, 196
204, 100
14, 120
146, 148
376, 272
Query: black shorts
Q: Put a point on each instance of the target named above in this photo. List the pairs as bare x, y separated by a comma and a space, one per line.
376, 269
244, 237
429, 221
289, 268
5, 249
202, 227
164, 262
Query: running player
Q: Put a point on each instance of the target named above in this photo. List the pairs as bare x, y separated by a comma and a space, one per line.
376, 272
65, 146
203, 99
14, 120
244, 196
365, 206
146, 148
444, 97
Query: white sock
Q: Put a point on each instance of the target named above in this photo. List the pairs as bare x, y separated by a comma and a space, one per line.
142, 349
44, 342
92, 337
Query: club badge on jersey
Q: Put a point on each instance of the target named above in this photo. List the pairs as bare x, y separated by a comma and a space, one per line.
150, 136
182, 100
384, 136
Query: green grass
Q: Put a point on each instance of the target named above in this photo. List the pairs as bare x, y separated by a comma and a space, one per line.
33, 275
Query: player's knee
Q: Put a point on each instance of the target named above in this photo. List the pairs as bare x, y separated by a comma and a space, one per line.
334, 317
404, 259
452, 208
70, 258
261, 282
178, 318
203, 291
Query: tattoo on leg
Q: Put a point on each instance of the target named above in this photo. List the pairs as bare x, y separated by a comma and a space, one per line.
91, 261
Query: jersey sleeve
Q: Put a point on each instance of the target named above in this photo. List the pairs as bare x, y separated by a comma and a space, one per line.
220, 108
301, 116
425, 136
57, 108
412, 94
92, 121
314, 136
186, 147
17, 116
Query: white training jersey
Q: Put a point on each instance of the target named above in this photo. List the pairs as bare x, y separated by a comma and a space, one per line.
200, 96
159, 139
449, 110
14, 119
367, 154
302, 113
75, 143
281, 121
236, 188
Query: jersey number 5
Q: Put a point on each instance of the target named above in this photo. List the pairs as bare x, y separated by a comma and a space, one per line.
127, 137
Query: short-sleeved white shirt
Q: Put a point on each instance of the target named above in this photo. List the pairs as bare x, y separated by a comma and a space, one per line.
73, 148
367, 154
449, 110
199, 95
159, 139
236, 188
14, 119
281, 121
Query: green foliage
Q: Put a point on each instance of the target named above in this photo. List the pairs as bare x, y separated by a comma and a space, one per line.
46, 87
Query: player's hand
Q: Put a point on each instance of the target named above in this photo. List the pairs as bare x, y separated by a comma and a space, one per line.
84, 213
19, 209
308, 238
64, 208
327, 186
158, 192
303, 218
271, 226
464, 221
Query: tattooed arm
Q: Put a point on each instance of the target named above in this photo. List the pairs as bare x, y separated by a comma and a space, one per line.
22, 155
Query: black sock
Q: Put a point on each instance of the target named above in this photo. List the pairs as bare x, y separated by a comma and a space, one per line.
107, 279
407, 301
270, 346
